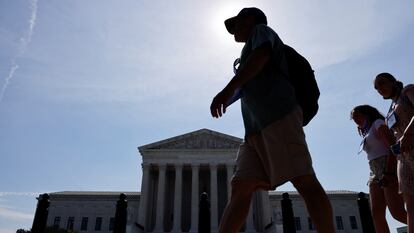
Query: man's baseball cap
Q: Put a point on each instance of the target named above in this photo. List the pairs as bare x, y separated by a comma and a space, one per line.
259, 16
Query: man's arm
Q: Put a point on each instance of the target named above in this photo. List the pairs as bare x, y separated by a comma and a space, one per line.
254, 64
410, 127
408, 137
387, 137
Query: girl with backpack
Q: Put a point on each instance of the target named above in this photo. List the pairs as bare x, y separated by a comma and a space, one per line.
400, 119
383, 184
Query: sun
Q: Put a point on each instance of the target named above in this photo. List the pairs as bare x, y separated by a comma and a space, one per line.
221, 13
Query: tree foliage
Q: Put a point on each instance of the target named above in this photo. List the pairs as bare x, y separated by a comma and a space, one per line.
22, 231
49, 230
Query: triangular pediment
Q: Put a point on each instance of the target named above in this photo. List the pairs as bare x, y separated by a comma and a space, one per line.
197, 140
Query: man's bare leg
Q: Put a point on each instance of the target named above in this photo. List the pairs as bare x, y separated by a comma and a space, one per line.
317, 202
237, 208
409, 200
395, 202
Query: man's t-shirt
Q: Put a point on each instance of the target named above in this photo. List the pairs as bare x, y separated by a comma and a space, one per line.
268, 96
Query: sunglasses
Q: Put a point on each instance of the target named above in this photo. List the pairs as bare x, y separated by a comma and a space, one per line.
236, 65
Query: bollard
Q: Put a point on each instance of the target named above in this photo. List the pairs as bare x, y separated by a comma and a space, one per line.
42, 211
204, 214
121, 214
287, 215
365, 214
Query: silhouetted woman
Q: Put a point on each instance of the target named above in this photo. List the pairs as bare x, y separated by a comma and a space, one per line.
383, 183
400, 119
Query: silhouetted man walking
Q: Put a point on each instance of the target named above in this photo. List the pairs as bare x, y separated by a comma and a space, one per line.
274, 150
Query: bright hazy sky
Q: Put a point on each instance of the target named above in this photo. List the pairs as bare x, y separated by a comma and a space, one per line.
84, 83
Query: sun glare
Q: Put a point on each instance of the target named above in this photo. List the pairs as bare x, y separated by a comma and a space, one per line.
221, 13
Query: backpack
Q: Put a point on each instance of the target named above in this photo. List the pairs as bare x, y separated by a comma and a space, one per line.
302, 77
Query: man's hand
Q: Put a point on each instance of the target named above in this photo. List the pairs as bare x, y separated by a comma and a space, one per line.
218, 105
406, 142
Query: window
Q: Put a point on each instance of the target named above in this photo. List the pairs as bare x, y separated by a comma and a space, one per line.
71, 221
297, 224
353, 221
111, 224
339, 223
56, 222
310, 224
84, 224
98, 224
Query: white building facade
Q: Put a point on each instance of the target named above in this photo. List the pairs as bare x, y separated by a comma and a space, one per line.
176, 171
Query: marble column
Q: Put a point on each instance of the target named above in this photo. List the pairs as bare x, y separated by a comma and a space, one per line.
213, 197
249, 220
143, 204
194, 197
266, 208
230, 171
178, 197
159, 221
